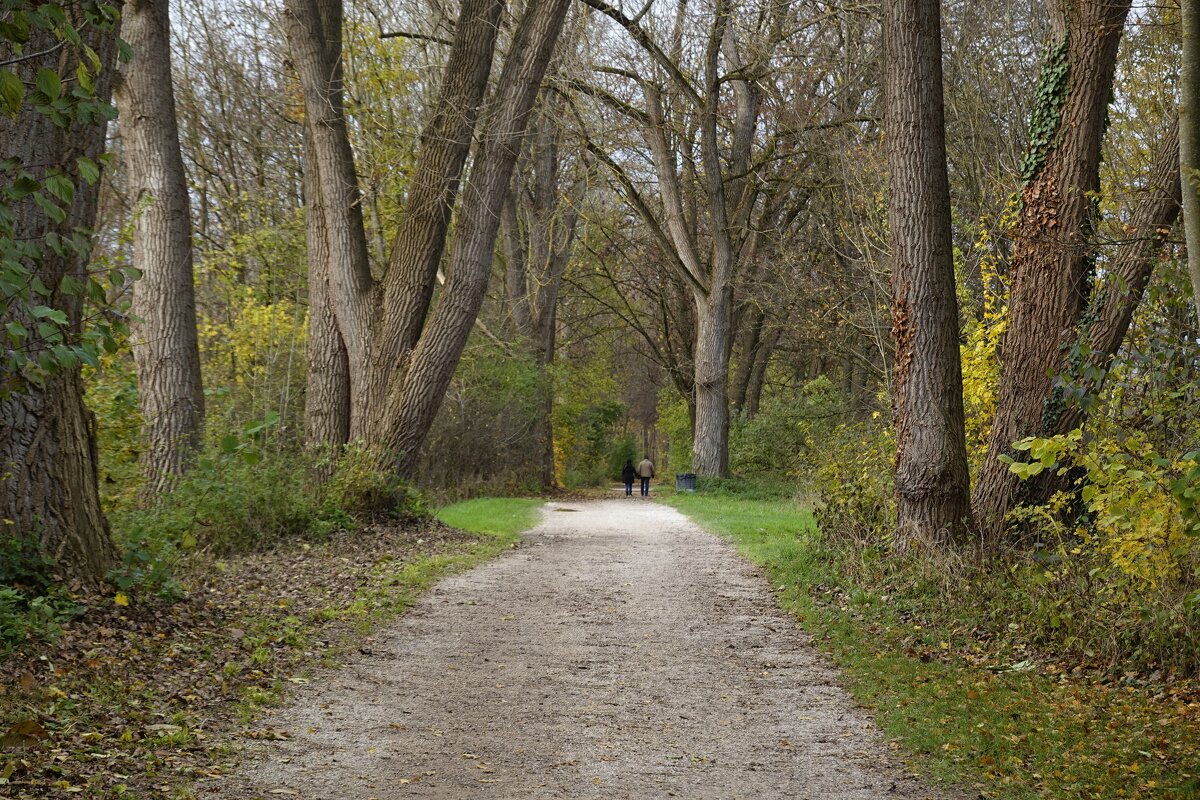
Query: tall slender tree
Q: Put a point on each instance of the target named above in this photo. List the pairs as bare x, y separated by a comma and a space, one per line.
932, 481
538, 225
165, 348
327, 386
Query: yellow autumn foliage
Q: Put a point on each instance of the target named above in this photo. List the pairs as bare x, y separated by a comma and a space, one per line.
256, 354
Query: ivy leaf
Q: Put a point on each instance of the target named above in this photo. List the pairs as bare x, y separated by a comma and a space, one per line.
61, 187
124, 51
12, 91
49, 84
88, 170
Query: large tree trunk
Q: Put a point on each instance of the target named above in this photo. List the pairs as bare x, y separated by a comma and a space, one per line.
710, 445
416, 393
420, 241
165, 348
932, 480
1189, 138
48, 461
1050, 274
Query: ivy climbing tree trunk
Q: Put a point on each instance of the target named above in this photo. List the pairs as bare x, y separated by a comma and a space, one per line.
932, 480
48, 461
165, 347
1189, 138
1051, 269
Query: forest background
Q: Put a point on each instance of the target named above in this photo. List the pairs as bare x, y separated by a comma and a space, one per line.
682, 249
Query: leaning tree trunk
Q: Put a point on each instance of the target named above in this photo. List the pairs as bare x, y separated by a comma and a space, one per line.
49, 486
932, 480
411, 405
165, 347
314, 35
1051, 270
1189, 139
1111, 309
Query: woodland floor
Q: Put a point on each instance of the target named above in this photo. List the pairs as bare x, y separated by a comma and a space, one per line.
621, 651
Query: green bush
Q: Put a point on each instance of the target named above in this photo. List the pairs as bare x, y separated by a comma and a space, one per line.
855, 485
227, 505
357, 487
745, 488
789, 434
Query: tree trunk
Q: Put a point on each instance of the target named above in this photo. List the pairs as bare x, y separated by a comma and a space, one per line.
314, 33
48, 462
1051, 269
710, 445
758, 377
165, 348
420, 241
327, 382
932, 480
748, 361
1189, 139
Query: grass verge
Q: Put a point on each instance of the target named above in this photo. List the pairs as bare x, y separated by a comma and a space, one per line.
142, 699
1009, 729
504, 517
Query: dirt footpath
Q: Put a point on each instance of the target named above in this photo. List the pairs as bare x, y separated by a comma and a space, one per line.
622, 652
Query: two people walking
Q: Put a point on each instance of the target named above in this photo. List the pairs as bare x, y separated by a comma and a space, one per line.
644, 470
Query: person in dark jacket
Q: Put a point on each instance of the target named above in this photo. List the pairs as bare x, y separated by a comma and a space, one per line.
628, 473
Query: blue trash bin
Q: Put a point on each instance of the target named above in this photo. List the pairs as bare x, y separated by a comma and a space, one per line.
685, 482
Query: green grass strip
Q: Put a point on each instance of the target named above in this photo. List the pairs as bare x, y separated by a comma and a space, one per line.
505, 517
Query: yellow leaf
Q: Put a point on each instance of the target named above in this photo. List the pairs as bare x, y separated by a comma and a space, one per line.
121, 599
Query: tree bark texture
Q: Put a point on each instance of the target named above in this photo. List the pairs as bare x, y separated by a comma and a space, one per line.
327, 380
48, 461
420, 241
932, 479
1051, 268
165, 348
316, 53
1189, 138
710, 444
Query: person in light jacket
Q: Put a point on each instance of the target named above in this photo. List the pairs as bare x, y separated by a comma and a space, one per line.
645, 471
628, 473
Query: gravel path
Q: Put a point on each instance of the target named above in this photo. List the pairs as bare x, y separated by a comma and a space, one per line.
622, 652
